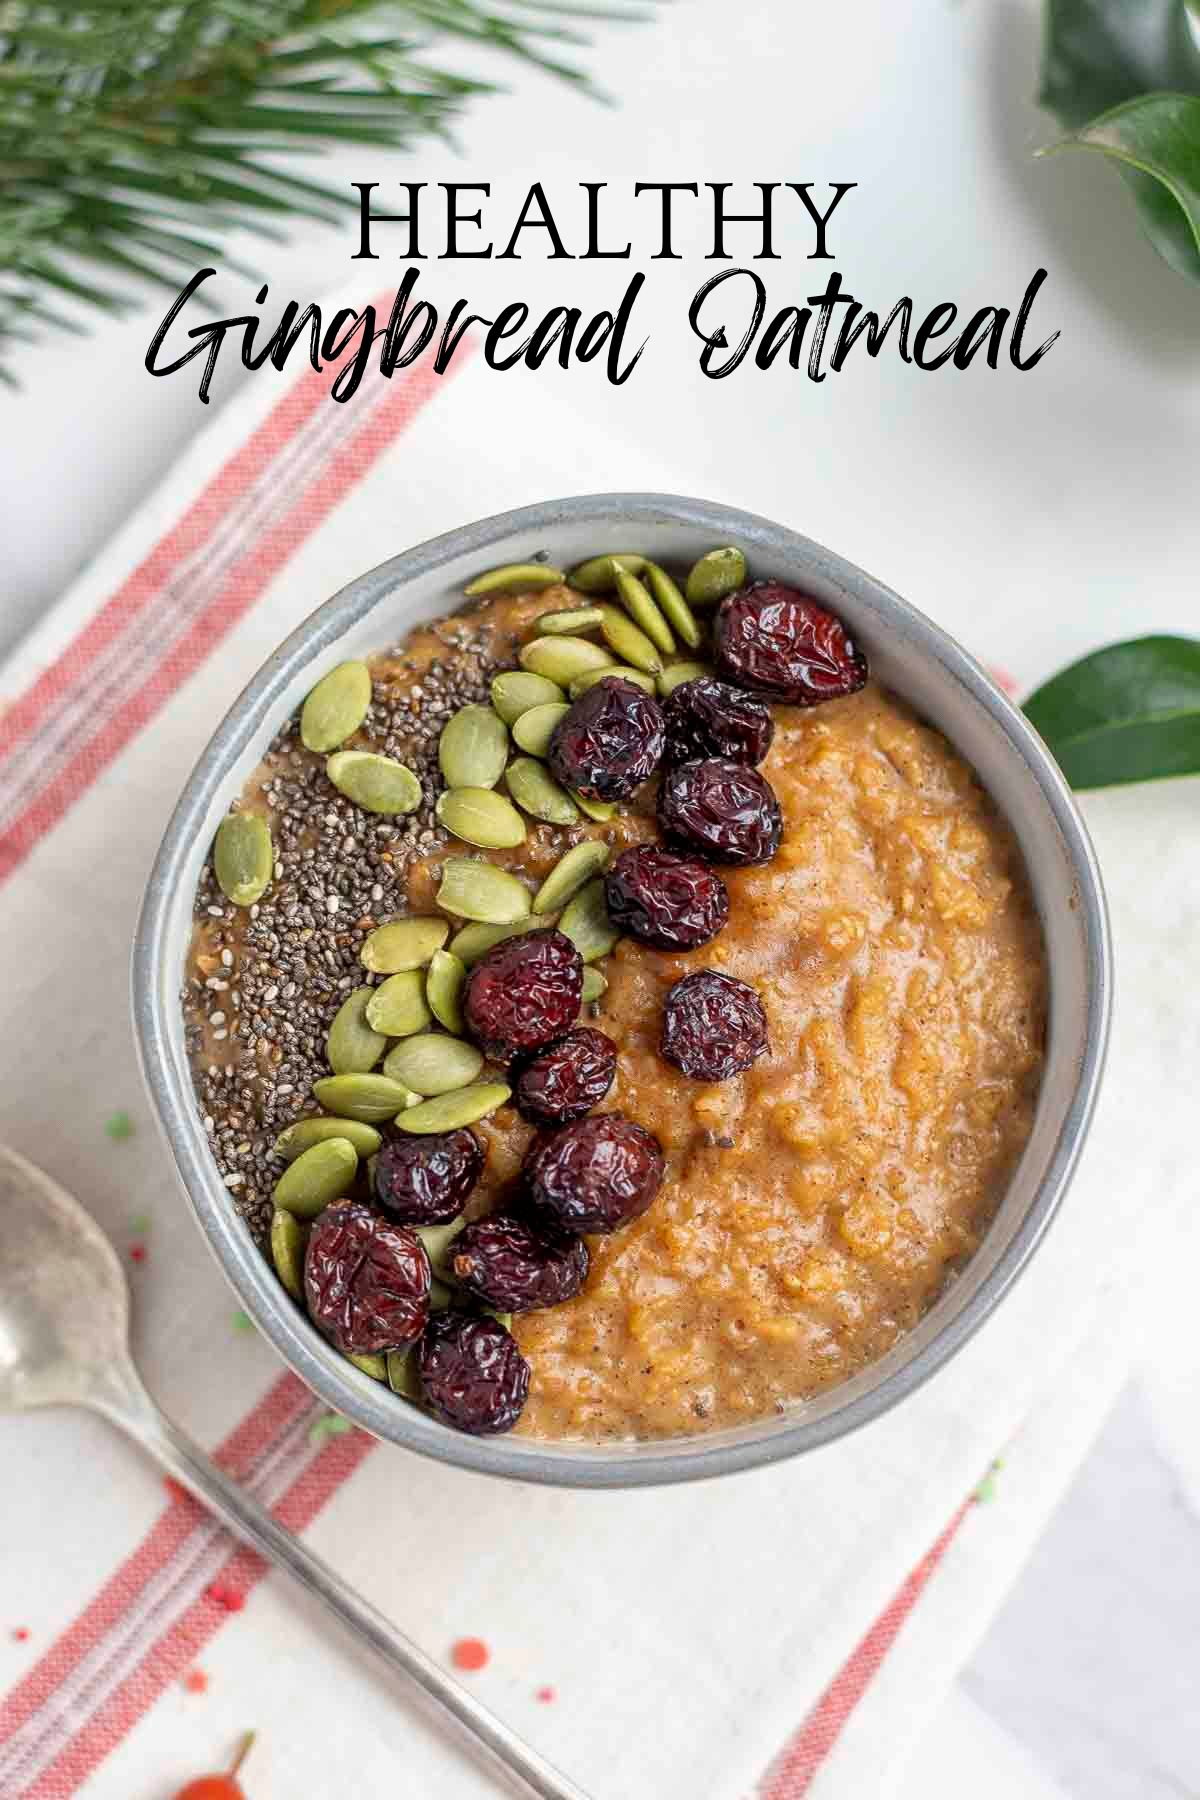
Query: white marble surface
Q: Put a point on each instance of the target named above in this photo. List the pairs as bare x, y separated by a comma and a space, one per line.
1064, 501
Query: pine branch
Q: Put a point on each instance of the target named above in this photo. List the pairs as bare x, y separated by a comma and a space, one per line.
136, 136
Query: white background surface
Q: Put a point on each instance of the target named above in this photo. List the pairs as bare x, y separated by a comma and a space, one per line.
1062, 501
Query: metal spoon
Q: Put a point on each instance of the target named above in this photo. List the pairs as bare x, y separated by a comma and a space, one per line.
64, 1341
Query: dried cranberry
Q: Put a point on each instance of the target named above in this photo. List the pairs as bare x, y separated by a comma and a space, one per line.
425, 1180
471, 1373
713, 1026
595, 1175
661, 898
565, 1081
710, 718
524, 992
504, 1262
721, 810
366, 1280
609, 743
775, 641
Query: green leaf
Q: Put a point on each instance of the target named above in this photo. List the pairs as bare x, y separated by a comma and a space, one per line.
1127, 713
1156, 142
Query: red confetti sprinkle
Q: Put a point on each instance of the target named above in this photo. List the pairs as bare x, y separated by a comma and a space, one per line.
1004, 680
137, 1253
21, 1634
470, 1653
227, 1597
196, 1681
546, 1695
175, 1488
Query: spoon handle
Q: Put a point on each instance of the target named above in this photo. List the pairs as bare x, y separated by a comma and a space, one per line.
523, 1771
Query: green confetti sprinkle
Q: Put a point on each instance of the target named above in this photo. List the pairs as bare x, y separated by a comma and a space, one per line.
985, 1493
139, 1224
242, 1322
329, 1425
119, 1126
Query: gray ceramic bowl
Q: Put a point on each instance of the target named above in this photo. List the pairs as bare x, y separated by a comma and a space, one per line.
907, 653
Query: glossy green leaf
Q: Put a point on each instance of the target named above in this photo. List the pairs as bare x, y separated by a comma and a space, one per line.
1156, 143
1127, 713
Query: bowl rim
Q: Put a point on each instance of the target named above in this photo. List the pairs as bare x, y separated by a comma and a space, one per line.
154, 995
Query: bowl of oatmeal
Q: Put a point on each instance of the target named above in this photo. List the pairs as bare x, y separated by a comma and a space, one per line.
624, 992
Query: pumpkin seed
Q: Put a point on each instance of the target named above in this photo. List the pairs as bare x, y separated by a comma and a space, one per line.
443, 989
397, 1006
402, 944
378, 784
432, 1064
630, 644
473, 748
681, 671
600, 810
440, 1295
402, 1374
474, 941
643, 611
479, 890
479, 816
594, 984
514, 578
618, 672
319, 1175
534, 729
336, 707
352, 1047
561, 659
243, 857
307, 1132
369, 1098
599, 574
674, 607
532, 787
288, 1241
501, 1318
450, 1112
437, 1240
516, 691
569, 874
586, 922
575, 618
718, 573
373, 1365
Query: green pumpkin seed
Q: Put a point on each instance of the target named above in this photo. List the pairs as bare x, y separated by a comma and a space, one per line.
600, 810
307, 1132
537, 791
440, 1295
569, 874
479, 890
534, 729
575, 618
319, 1175
561, 659
618, 672
450, 1112
516, 691
644, 613
374, 1366
352, 1047
473, 748
672, 605
718, 573
630, 644
678, 672
479, 816
432, 1064
288, 1241
336, 707
444, 982
514, 578
369, 1098
599, 574
243, 857
474, 941
397, 1006
402, 944
437, 1240
402, 1374
378, 784
501, 1318
586, 922
594, 984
